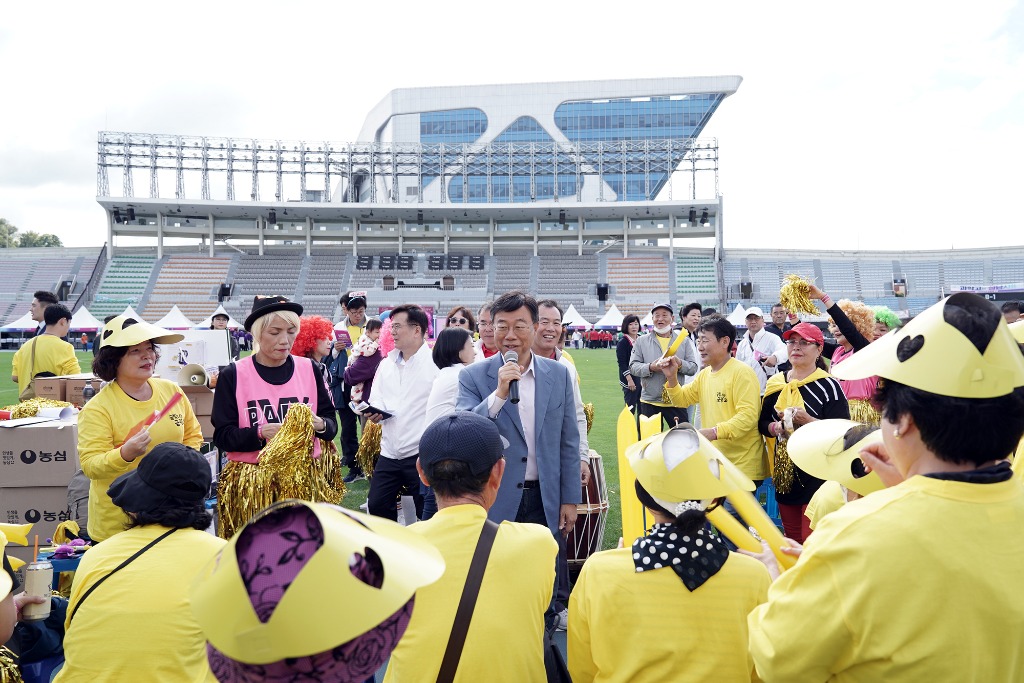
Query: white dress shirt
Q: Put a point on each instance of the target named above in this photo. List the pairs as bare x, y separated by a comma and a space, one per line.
402, 387
444, 393
527, 389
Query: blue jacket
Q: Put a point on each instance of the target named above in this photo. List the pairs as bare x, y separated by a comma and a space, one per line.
556, 435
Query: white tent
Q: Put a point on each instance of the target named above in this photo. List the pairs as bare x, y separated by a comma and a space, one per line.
131, 313
175, 320
23, 323
85, 321
738, 317
232, 323
573, 318
612, 318
648, 321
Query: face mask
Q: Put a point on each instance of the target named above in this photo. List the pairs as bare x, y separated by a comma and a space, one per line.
663, 330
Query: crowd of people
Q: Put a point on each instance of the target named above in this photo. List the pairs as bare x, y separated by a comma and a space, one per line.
484, 428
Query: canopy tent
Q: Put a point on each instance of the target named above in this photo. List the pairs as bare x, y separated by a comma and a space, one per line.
573, 318
611, 319
22, 324
131, 312
175, 320
738, 317
648, 320
232, 323
84, 321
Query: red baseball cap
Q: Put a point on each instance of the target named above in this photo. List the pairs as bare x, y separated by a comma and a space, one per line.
807, 331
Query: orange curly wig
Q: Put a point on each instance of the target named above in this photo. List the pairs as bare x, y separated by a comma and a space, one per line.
861, 315
312, 329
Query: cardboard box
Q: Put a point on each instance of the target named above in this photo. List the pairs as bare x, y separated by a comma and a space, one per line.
65, 387
43, 454
206, 424
43, 506
201, 398
50, 387
75, 385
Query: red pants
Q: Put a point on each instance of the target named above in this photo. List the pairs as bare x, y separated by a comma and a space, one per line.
795, 524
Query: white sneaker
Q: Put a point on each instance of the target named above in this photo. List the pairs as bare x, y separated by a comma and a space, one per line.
563, 620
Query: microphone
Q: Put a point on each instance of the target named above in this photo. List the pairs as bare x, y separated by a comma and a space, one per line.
513, 386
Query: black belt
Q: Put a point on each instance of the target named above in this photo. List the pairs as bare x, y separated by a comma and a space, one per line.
531, 484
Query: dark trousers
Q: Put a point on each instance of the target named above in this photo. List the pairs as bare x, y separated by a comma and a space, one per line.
531, 510
391, 479
347, 430
429, 502
670, 415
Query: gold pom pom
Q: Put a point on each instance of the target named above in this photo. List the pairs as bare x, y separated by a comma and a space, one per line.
588, 410
32, 406
369, 447
794, 295
286, 469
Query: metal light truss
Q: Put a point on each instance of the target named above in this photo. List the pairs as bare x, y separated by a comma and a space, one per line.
381, 165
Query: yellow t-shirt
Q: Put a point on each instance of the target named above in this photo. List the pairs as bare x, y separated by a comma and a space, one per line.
354, 333
646, 626
103, 425
506, 637
1018, 461
53, 354
730, 400
828, 498
879, 595
138, 626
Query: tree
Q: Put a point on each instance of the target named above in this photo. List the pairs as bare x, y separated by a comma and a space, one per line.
8, 234
34, 239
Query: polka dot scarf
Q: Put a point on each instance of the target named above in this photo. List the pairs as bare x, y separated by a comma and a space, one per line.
695, 559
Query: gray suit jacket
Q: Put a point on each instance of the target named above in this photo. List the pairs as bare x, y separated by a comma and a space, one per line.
557, 438
646, 350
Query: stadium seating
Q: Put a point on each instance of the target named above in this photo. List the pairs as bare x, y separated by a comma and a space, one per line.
190, 282
695, 280
24, 271
639, 282
123, 284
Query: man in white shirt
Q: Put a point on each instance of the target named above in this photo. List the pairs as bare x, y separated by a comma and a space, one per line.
759, 348
401, 387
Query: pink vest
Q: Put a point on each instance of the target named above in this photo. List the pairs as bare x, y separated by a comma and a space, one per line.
859, 389
260, 403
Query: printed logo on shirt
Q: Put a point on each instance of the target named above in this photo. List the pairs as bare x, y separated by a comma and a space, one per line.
721, 398
178, 419
263, 406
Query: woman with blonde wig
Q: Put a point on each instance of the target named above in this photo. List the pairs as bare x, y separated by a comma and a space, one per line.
252, 400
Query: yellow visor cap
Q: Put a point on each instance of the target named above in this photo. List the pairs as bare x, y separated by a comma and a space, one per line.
818, 449
932, 355
326, 605
681, 464
127, 331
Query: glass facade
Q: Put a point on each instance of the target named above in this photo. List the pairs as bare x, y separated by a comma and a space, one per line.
510, 177
679, 117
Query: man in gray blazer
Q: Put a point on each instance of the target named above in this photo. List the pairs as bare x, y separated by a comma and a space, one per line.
645, 363
543, 467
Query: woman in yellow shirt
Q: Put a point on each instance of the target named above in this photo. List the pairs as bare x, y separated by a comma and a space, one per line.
919, 581
129, 617
109, 444
672, 607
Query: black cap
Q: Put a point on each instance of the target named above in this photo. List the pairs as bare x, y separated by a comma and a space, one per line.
357, 301
170, 470
463, 436
667, 307
261, 305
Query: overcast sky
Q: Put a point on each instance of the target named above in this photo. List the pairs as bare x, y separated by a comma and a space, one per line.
875, 125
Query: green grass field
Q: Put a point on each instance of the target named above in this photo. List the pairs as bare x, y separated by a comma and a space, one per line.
600, 386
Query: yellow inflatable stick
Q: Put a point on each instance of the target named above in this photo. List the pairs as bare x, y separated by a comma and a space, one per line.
754, 515
634, 523
17, 534
671, 351
733, 530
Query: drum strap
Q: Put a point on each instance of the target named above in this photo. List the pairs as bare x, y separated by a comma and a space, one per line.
464, 613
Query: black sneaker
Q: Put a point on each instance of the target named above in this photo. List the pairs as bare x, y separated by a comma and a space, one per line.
353, 476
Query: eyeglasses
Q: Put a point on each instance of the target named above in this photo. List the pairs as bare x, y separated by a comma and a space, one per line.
398, 327
520, 328
457, 321
802, 343
482, 325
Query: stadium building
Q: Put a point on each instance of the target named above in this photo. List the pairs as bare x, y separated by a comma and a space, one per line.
588, 192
